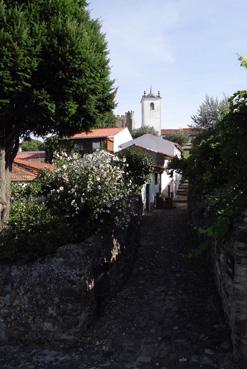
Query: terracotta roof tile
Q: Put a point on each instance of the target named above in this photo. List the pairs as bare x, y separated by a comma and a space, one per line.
30, 155
176, 130
19, 174
97, 133
26, 170
35, 165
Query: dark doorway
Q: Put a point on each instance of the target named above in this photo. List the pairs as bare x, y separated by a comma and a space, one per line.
147, 197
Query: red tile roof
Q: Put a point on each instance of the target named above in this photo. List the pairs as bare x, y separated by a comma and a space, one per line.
27, 170
172, 131
34, 165
97, 133
31, 155
19, 174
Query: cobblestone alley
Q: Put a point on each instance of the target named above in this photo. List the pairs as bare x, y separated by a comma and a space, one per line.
167, 316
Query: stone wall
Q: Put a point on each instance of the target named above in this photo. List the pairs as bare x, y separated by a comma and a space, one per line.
52, 299
231, 275
230, 264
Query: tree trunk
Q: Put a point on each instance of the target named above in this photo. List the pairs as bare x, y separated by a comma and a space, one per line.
4, 189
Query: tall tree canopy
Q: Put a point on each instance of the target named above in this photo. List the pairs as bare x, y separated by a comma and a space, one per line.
217, 167
144, 130
209, 112
54, 75
179, 137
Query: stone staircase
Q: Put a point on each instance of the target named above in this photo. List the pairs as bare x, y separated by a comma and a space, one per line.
181, 199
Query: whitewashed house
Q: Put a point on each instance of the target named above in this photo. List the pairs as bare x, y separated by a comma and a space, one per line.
164, 183
109, 139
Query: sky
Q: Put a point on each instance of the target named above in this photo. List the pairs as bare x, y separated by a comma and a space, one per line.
183, 48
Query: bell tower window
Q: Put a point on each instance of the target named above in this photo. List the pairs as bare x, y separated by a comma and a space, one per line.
151, 106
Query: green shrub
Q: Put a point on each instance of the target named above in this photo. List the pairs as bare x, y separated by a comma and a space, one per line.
82, 196
139, 166
217, 167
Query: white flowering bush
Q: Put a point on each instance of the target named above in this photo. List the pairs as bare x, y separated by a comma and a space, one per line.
92, 189
93, 193
239, 102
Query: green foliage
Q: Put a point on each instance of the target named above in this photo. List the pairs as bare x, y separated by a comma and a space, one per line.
197, 252
54, 73
93, 190
54, 68
144, 130
178, 137
186, 154
25, 214
33, 230
82, 196
209, 113
217, 168
32, 145
139, 165
243, 61
52, 145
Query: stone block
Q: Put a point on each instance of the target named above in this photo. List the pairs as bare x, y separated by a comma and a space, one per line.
48, 326
3, 331
241, 233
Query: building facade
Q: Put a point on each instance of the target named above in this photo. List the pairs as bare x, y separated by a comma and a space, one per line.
151, 110
108, 139
163, 182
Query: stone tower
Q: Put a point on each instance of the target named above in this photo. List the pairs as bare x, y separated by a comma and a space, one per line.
126, 120
151, 110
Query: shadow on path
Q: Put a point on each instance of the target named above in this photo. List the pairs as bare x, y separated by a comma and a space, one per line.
168, 315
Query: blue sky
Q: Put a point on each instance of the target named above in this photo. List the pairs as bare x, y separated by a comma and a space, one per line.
183, 48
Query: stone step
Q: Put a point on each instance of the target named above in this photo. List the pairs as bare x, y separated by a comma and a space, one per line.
184, 187
181, 199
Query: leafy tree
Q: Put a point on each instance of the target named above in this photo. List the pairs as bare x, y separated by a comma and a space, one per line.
52, 145
54, 76
144, 130
139, 165
178, 137
243, 61
217, 168
32, 145
209, 113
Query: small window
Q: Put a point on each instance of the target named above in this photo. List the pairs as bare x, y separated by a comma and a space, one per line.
96, 145
78, 146
152, 106
156, 178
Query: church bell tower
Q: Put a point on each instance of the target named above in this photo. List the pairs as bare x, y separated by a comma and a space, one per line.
151, 110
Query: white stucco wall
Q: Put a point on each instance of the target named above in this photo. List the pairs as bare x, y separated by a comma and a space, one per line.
177, 152
121, 138
173, 182
153, 190
151, 117
165, 181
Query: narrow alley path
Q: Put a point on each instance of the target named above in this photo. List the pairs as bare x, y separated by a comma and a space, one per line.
167, 316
